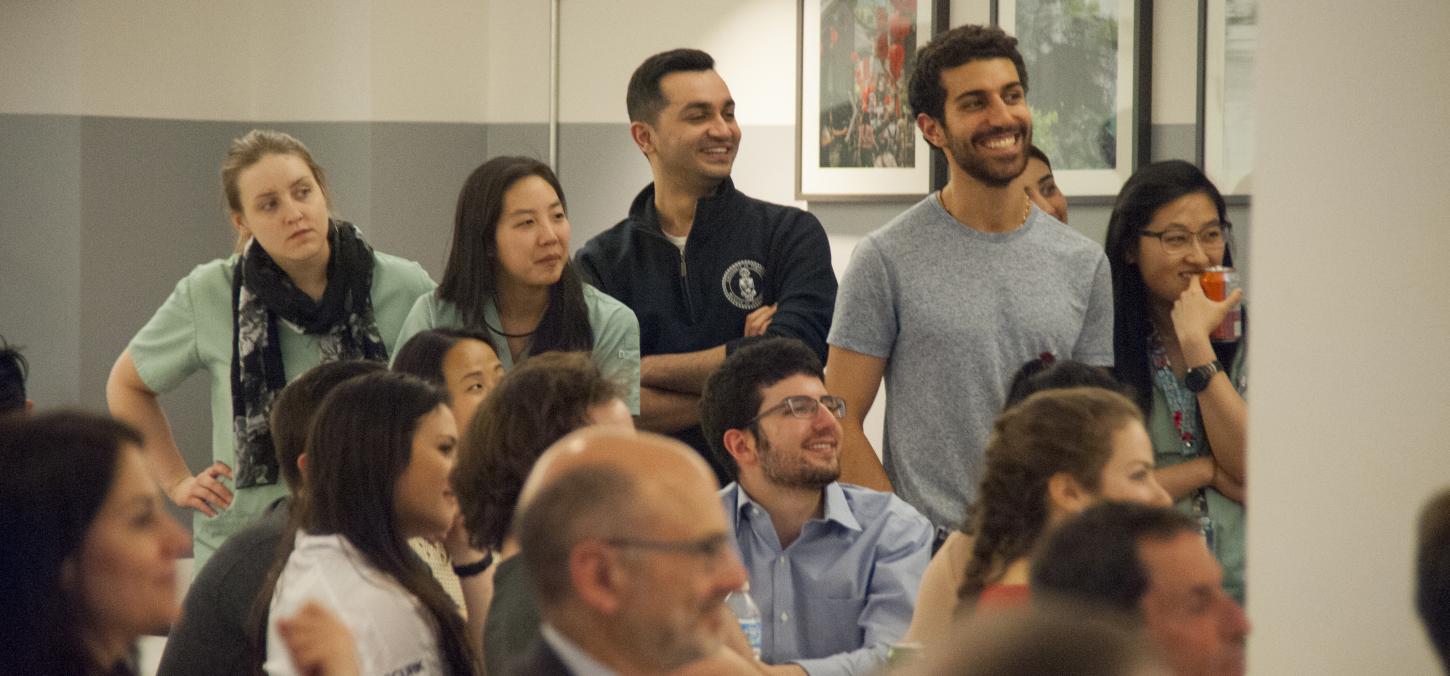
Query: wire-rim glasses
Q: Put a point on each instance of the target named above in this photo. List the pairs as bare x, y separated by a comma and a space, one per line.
804, 407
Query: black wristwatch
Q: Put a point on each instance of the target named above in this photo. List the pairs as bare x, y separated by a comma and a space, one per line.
1198, 377
469, 570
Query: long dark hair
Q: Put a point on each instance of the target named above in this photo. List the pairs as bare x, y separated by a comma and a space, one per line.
1144, 194
1054, 431
360, 442
56, 470
470, 278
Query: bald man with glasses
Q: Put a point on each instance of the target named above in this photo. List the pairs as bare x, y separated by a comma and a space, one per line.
630, 559
833, 567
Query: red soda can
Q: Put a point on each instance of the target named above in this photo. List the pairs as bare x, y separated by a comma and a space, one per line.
1218, 283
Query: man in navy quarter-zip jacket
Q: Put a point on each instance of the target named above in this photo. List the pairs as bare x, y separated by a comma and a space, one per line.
703, 266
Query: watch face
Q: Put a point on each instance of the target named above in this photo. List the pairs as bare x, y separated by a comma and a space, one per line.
1195, 380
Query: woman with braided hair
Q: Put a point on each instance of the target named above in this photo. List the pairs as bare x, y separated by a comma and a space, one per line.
1049, 457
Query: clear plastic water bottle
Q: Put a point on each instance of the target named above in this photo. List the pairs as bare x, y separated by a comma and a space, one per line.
749, 615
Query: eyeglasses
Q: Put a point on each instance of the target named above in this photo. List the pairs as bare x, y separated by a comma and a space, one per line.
802, 406
710, 548
1212, 238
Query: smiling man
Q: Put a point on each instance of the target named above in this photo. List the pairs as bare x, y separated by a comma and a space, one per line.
952, 295
703, 266
834, 568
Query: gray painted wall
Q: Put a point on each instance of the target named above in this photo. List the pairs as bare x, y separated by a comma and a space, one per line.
100, 216
40, 234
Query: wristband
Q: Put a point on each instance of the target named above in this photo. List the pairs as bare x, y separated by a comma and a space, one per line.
474, 568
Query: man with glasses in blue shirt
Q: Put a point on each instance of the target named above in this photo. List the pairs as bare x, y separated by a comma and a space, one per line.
833, 567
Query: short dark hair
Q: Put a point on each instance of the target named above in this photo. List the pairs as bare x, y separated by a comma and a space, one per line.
295, 406
732, 394
1432, 589
1049, 373
14, 369
533, 406
643, 99
1093, 557
422, 356
56, 470
958, 46
578, 504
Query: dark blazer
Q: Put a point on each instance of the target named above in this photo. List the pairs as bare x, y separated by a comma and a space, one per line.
540, 660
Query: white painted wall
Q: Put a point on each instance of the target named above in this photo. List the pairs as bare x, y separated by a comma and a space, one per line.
1348, 399
753, 42
518, 58
754, 45
1175, 63
313, 60
42, 62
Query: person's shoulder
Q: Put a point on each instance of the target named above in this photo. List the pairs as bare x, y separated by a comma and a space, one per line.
772, 217
606, 307
907, 225
604, 250
247, 554
209, 285
382, 259
406, 271
615, 240
1062, 235
431, 307
781, 211
958, 549
217, 271
614, 236
538, 660
331, 562
224, 266
604, 302
870, 505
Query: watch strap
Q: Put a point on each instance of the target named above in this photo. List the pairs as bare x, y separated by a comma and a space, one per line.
474, 568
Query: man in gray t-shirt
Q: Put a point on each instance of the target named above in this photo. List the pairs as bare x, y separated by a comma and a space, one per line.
948, 299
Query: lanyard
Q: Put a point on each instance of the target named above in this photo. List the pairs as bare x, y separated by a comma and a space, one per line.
1183, 405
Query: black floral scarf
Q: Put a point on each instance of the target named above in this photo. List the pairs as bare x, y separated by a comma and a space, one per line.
262, 294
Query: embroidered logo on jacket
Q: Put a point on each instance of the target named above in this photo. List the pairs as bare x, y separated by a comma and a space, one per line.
744, 284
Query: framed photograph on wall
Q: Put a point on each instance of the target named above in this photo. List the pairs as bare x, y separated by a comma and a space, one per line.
856, 137
1089, 69
1228, 41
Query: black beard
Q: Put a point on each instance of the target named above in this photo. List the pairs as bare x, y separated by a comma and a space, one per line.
966, 158
811, 477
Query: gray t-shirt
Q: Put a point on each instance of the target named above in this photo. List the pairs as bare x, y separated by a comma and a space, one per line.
955, 312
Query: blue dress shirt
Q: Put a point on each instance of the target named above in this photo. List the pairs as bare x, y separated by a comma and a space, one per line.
836, 598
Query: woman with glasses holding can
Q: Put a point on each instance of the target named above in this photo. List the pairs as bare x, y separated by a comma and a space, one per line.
1168, 242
